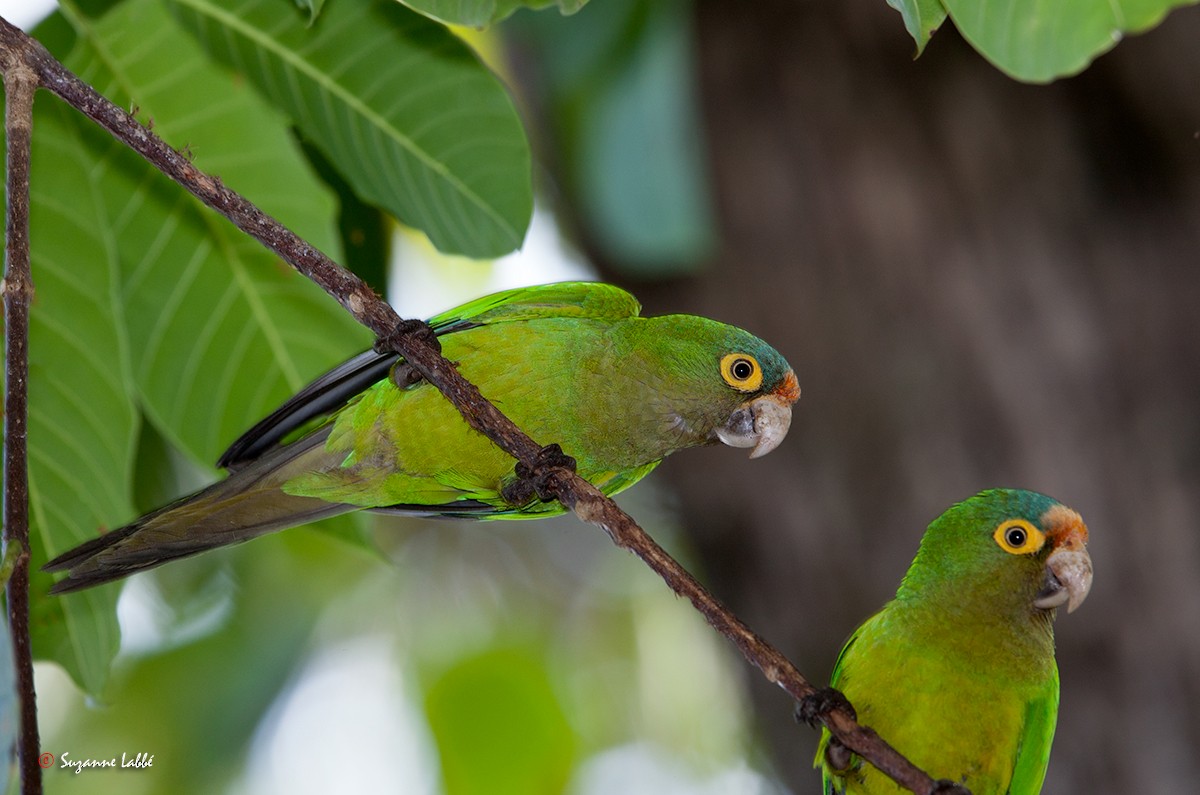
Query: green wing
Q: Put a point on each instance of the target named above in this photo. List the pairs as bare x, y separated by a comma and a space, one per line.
834, 781
564, 299
863, 628
332, 390
1033, 752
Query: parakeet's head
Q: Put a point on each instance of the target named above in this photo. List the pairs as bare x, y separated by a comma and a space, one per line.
720, 383
1007, 550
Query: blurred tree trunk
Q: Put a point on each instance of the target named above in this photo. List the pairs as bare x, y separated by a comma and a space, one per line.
980, 283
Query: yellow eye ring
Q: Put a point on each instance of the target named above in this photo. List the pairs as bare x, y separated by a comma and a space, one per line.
741, 371
1019, 537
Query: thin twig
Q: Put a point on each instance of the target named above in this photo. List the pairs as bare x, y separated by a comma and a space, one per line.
588, 503
20, 83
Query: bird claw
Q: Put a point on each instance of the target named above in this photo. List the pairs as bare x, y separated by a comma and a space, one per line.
540, 480
404, 375
544, 476
838, 756
418, 329
945, 786
816, 705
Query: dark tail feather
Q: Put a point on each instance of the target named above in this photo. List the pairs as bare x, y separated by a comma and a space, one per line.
323, 396
245, 505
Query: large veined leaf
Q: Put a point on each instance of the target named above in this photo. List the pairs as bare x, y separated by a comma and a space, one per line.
1033, 40
142, 294
399, 104
82, 419
220, 330
481, 13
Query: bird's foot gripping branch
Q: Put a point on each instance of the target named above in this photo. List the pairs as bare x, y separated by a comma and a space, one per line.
417, 329
543, 480
814, 708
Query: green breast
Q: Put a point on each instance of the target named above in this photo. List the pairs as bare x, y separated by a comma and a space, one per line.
954, 702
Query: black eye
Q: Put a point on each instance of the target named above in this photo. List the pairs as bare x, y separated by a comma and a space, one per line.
742, 369
1015, 537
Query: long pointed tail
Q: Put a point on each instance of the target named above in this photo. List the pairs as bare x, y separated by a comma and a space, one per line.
246, 504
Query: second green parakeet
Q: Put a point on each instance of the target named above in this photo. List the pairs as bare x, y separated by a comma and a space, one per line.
572, 363
958, 672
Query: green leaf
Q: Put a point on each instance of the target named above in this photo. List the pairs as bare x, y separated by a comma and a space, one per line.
642, 160
620, 80
400, 105
922, 18
142, 293
220, 330
499, 727
82, 421
1038, 41
482, 13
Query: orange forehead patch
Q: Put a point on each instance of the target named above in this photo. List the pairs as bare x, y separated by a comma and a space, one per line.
1065, 528
789, 390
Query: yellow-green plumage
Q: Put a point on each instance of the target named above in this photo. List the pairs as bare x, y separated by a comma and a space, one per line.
397, 441
570, 363
958, 671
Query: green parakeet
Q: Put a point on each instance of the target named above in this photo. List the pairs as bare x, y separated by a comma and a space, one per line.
958, 672
571, 363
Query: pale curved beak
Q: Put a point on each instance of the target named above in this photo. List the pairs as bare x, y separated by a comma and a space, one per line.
1067, 580
761, 424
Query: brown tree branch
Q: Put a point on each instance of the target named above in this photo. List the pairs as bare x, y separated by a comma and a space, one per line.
546, 469
20, 83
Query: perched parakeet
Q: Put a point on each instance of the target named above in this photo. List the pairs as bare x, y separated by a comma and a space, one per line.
571, 363
957, 672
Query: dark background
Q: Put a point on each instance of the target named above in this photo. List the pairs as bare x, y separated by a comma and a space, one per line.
980, 283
